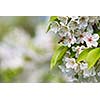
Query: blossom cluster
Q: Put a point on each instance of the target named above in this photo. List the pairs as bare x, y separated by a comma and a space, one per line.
77, 33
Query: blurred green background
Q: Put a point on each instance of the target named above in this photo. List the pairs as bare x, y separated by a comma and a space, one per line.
26, 50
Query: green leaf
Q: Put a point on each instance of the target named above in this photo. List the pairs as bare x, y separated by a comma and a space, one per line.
48, 28
58, 55
98, 32
92, 57
52, 18
83, 54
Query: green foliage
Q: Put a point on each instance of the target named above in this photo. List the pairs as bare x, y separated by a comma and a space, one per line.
48, 28
98, 32
29, 24
38, 50
52, 18
83, 54
58, 55
25, 23
52, 77
91, 56
4, 29
27, 58
9, 75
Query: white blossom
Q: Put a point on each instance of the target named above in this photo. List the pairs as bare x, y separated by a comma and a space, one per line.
79, 49
79, 33
80, 38
83, 66
70, 40
71, 63
91, 40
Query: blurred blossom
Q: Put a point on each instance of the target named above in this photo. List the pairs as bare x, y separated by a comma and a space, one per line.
30, 51
10, 57
17, 37
42, 39
13, 47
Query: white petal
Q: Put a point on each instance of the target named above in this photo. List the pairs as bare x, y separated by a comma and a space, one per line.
73, 49
89, 44
68, 65
73, 60
90, 29
69, 45
67, 59
99, 74
95, 37
86, 73
88, 34
73, 40
95, 44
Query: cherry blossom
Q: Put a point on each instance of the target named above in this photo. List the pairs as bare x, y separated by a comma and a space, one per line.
79, 33
70, 40
71, 63
91, 40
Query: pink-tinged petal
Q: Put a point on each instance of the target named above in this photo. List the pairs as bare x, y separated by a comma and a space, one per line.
95, 37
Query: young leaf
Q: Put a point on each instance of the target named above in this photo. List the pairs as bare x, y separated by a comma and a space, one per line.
48, 28
58, 55
52, 18
83, 54
92, 57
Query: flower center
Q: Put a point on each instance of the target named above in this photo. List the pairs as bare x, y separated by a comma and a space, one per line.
81, 36
78, 49
90, 39
72, 62
70, 39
